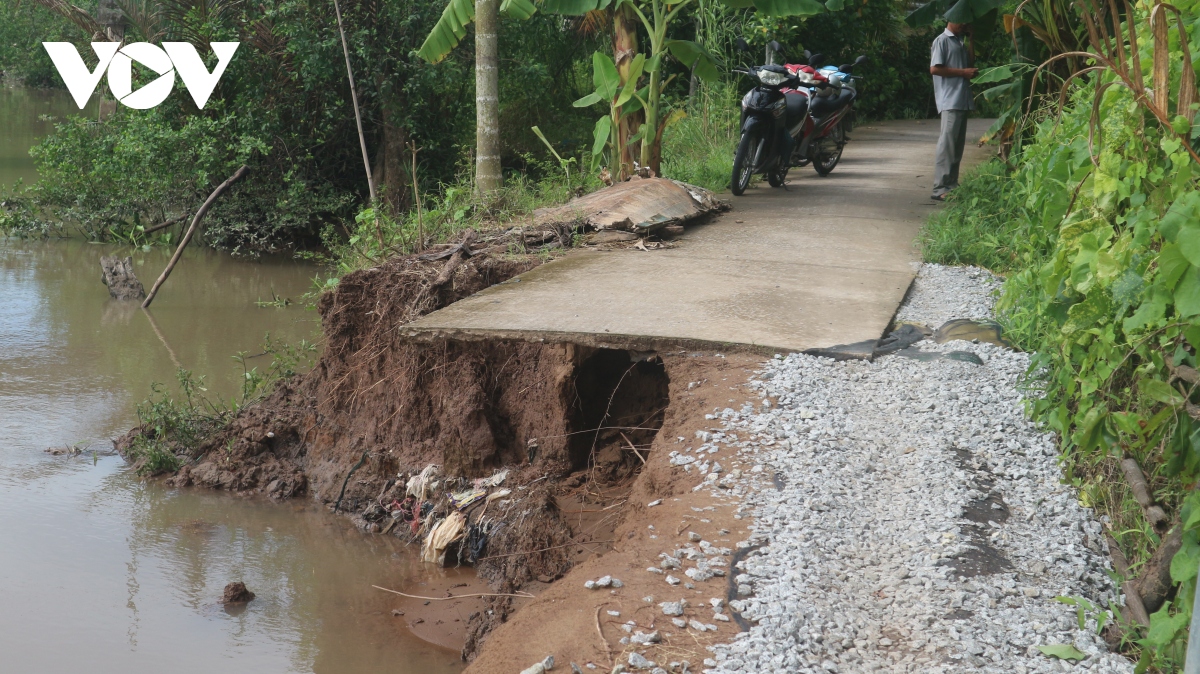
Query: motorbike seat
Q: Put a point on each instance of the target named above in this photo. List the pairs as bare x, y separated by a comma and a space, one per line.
823, 105
797, 107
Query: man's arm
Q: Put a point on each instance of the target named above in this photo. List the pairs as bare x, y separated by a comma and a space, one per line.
947, 71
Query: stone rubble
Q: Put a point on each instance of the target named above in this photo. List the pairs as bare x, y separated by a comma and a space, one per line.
932, 300
907, 516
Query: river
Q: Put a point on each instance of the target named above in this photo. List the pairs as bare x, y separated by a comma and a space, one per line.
101, 571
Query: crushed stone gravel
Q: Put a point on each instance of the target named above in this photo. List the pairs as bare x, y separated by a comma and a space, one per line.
933, 299
910, 517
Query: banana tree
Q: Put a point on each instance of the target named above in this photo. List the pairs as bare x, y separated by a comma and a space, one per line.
622, 98
657, 17
450, 29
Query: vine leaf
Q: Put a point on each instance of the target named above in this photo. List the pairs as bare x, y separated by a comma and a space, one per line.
1187, 294
1160, 391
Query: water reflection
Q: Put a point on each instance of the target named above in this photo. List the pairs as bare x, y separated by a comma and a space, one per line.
74, 356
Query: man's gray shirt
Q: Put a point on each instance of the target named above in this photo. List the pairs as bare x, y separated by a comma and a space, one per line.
951, 93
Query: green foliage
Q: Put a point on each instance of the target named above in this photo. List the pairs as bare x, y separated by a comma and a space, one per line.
981, 226
895, 78
622, 100
283, 107
171, 428
19, 218
982, 14
24, 26
1096, 229
451, 28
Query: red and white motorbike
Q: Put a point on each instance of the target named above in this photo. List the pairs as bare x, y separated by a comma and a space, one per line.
828, 94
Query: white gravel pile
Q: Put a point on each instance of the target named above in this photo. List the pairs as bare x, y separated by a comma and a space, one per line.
911, 518
934, 297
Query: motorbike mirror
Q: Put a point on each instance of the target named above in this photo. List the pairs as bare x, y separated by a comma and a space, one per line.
807, 55
741, 45
816, 60
860, 60
776, 47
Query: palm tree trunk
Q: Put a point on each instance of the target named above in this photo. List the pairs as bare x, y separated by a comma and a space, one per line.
488, 176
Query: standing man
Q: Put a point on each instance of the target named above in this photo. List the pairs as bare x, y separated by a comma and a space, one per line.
950, 65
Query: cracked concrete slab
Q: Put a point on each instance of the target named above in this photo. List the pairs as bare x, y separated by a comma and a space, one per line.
824, 262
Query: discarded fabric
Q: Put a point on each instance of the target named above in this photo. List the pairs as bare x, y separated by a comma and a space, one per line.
421, 485
495, 480
443, 535
463, 499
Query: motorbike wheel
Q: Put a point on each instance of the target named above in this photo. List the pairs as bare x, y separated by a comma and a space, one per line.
778, 176
824, 163
743, 163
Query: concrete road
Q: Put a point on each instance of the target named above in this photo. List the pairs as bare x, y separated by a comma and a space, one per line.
826, 261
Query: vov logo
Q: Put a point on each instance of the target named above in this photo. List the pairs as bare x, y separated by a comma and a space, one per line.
171, 58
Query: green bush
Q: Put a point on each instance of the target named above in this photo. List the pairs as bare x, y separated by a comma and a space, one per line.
283, 107
24, 26
1097, 231
451, 210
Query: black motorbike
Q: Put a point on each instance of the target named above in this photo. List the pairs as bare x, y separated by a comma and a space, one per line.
793, 118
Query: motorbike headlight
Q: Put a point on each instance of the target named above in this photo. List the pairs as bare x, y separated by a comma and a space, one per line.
771, 79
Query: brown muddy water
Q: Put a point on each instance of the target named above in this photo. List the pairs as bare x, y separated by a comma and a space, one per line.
103, 572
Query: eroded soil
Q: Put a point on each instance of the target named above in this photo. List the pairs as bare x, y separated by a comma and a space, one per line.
584, 433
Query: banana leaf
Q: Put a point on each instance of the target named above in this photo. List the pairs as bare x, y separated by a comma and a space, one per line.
692, 54
960, 11
518, 9
573, 7
452, 27
605, 76
449, 30
630, 88
981, 14
600, 134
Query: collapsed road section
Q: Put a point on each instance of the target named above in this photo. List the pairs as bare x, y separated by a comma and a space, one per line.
515, 456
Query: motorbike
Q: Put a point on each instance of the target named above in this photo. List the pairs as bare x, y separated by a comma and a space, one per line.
796, 115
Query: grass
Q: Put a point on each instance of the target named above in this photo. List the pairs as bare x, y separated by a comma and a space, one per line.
442, 217
698, 149
979, 224
172, 428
